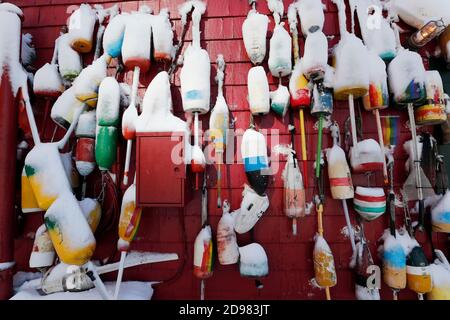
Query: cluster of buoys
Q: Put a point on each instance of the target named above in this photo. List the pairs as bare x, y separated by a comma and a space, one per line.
89, 102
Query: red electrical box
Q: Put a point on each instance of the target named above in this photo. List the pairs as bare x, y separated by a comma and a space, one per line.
161, 176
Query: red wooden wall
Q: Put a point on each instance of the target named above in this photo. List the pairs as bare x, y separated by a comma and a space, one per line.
290, 258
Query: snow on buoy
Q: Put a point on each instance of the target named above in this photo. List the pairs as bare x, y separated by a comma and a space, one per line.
253, 262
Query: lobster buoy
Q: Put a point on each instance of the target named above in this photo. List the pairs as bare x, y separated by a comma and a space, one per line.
324, 270
254, 32
136, 47
366, 156
256, 162
86, 85
69, 231
107, 115
253, 206
433, 111
46, 174
65, 107
293, 191
369, 203
130, 216
198, 161
85, 156
227, 247
69, 61
341, 184
253, 262
407, 84
43, 253
194, 79
85, 149
322, 100
440, 215
315, 58
47, 81
28, 200
376, 31
298, 88
280, 100
311, 15
81, 28
440, 274
258, 91
377, 97
203, 253
92, 211
394, 263
114, 35
350, 59
418, 273
280, 52
162, 36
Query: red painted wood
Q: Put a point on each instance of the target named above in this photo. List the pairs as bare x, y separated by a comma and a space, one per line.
290, 258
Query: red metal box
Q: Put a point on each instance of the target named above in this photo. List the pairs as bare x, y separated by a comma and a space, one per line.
161, 174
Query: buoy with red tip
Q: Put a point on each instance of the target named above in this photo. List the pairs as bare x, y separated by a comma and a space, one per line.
298, 86
85, 149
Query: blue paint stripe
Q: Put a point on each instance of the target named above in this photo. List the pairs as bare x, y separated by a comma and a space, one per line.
255, 163
367, 209
443, 217
395, 258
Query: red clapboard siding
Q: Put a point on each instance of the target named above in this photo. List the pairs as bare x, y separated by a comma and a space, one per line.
290, 257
